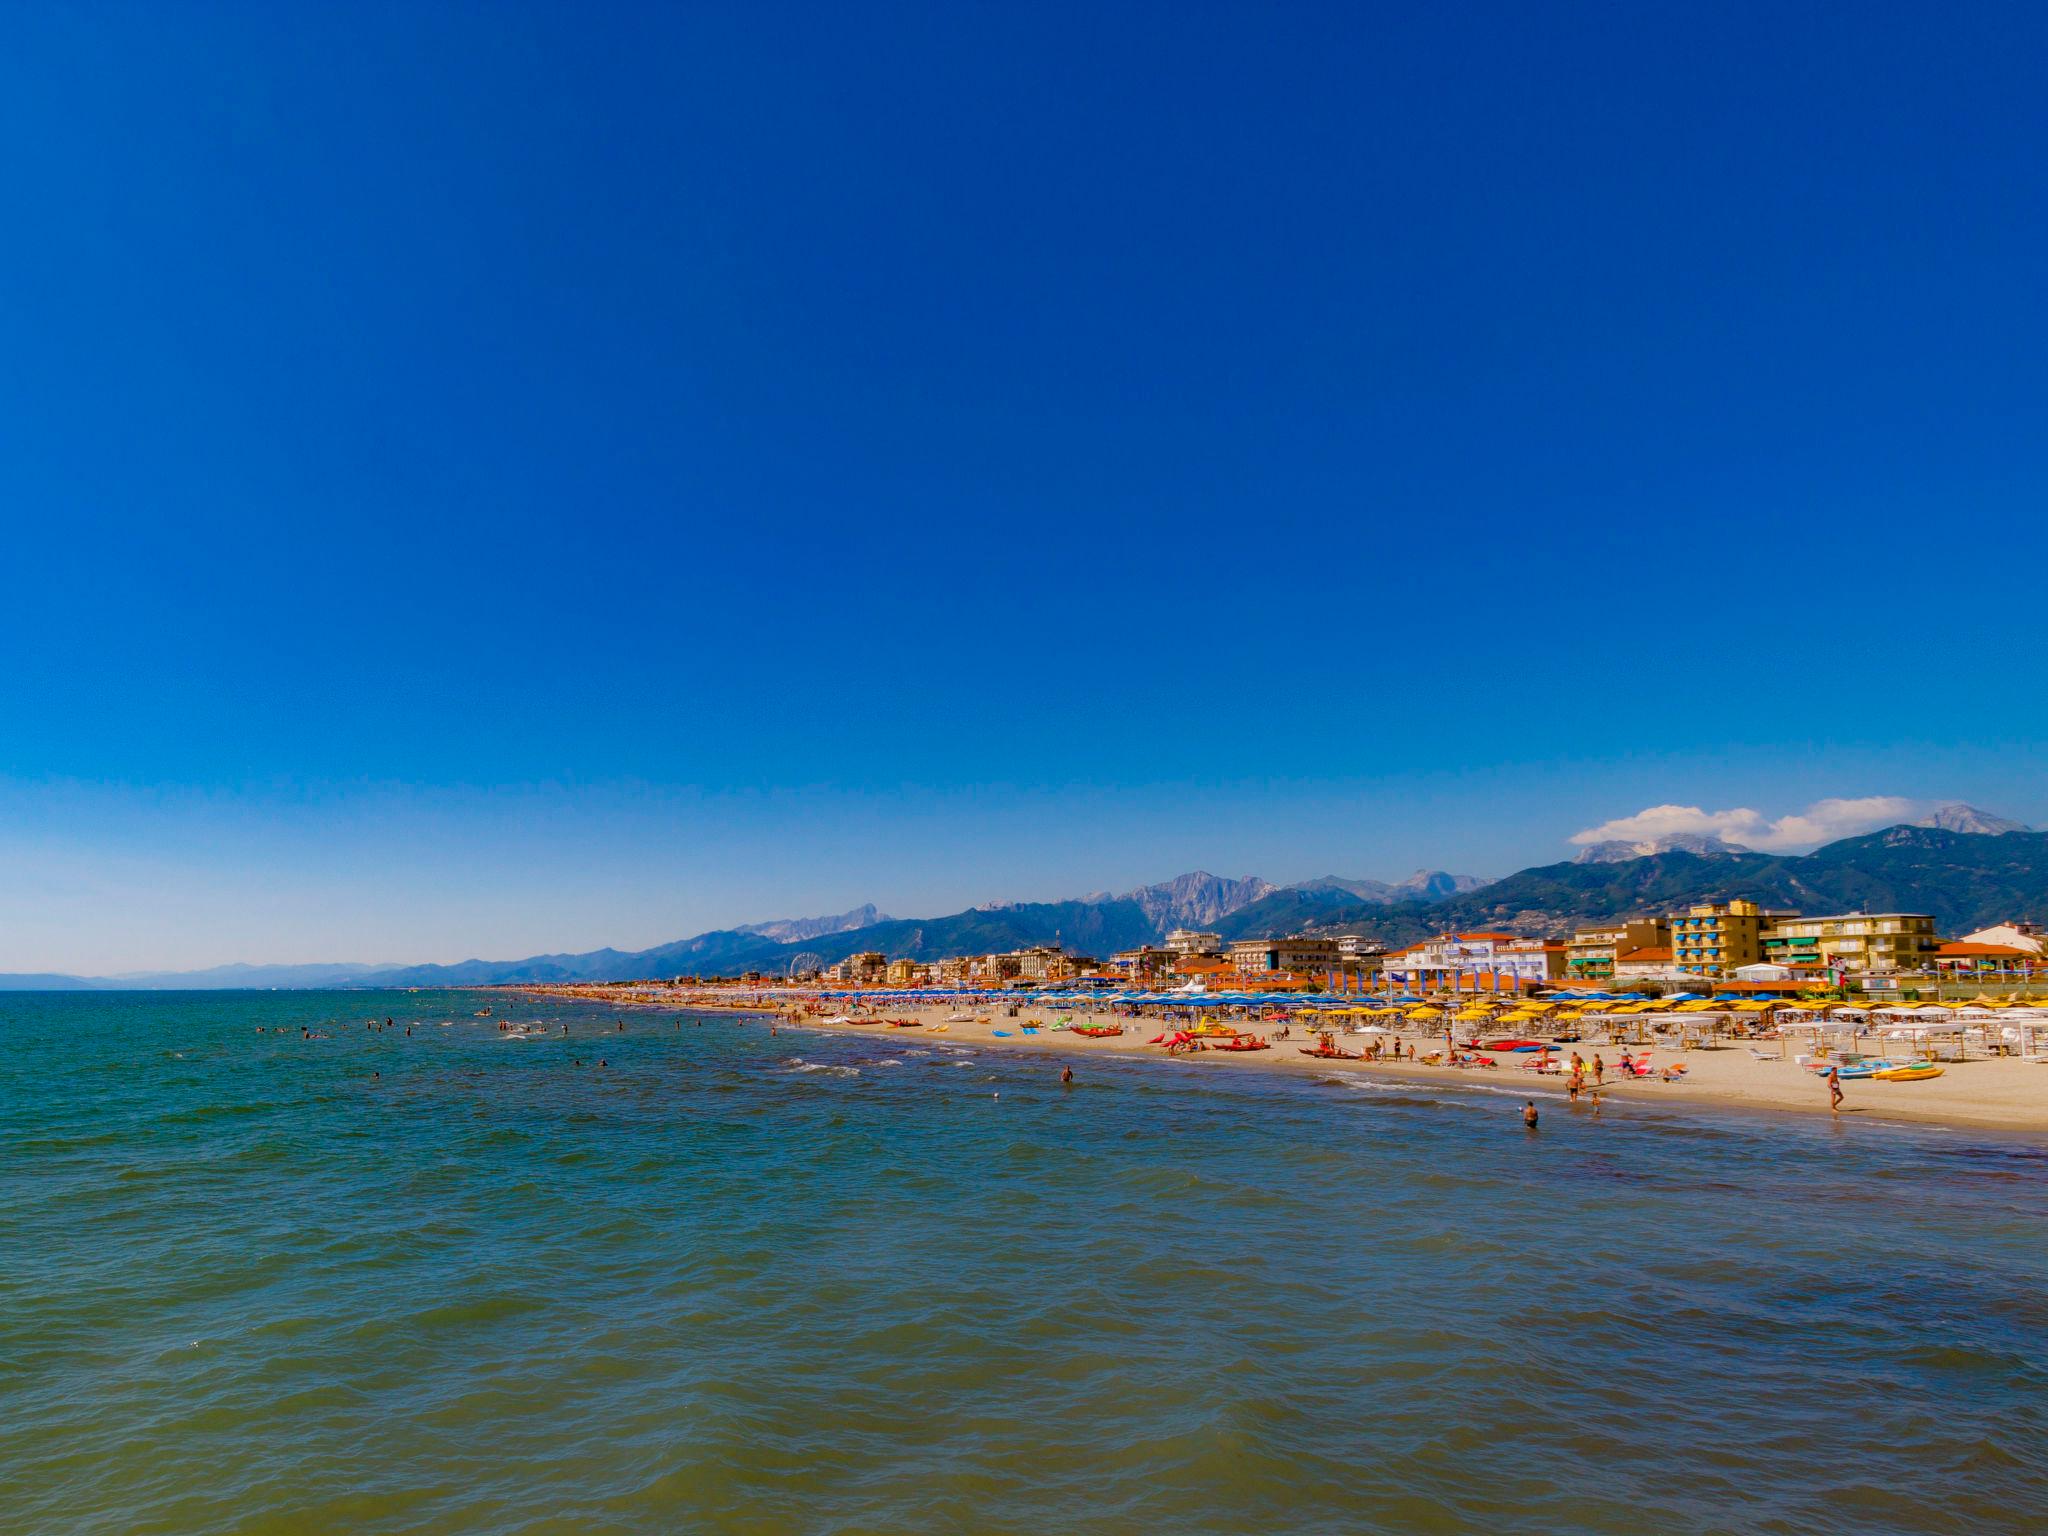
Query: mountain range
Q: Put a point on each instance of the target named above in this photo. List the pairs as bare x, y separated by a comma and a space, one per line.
1098, 924
1954, 817
1966, 878
789, 929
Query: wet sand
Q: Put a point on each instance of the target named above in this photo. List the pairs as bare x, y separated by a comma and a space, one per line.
1993, 1093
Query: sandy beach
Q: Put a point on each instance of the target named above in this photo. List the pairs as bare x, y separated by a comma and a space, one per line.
1989, 1093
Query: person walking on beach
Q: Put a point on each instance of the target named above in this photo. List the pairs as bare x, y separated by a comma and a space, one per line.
1834, 1090
1599, 1070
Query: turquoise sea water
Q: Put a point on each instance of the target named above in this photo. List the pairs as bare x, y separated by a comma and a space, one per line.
451, 1282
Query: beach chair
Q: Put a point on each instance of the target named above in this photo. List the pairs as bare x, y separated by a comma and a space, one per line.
1764, 1055
1640, 1067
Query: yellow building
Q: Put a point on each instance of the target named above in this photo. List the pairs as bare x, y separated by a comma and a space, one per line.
1858, 942
1591, 954
1713, 939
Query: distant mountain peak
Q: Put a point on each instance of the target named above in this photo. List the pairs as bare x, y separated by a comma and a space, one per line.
1423, 885
1198, 898
789, 930
1615, 850
1957, 817
1436, 884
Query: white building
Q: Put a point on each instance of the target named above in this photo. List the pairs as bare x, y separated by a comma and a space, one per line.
1763, 970
2025, 936
1506, 955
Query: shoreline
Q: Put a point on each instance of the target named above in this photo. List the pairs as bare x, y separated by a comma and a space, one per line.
2000, 1094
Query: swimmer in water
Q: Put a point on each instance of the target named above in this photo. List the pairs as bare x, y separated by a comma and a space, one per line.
1529, 1114
1067, 1075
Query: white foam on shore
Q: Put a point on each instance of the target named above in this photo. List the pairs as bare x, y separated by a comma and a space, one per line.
799, 1065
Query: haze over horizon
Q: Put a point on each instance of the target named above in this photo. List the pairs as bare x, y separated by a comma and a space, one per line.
486, 483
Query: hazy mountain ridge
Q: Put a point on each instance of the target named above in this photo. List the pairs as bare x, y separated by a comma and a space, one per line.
789, 929
1617, 850
1957, 817
1965, 880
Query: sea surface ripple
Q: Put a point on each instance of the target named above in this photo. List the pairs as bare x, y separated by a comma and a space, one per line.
457, 1281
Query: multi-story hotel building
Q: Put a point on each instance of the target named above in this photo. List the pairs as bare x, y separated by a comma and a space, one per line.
1860, 942
1713, 939
1299, 956
1591, 953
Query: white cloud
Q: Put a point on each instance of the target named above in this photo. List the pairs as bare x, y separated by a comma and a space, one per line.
1821, 822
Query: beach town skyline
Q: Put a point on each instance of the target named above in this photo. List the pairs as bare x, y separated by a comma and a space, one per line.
1999, 883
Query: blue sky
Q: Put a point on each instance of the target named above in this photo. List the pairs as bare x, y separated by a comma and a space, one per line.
482, 480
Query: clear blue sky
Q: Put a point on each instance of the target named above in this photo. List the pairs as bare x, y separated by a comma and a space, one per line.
482, 479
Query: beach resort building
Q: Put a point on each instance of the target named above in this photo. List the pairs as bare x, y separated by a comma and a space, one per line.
1854, 942
1358, 955
1144, 961
1592, 951
1191, 941
1713, 939
2022, 936
1967, 957
902, 973
866, 967
1650, 964
1297, 955
993, 968
1501, 956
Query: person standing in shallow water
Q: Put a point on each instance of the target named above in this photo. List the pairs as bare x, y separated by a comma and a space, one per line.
1067, 1076
1529, 1114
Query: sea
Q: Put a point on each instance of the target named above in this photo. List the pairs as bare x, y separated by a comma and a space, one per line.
269, 1266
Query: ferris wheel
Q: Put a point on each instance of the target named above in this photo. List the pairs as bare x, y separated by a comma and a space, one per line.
805, 964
